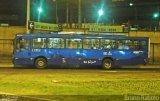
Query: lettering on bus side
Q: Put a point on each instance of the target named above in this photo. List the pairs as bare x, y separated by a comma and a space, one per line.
36, 50
107, 53
89, 61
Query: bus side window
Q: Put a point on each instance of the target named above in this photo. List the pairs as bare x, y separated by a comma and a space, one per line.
93, 46
91, 43
74, 43
55, 43
39, 43
135, 45
107, 44
123, 44
86, 44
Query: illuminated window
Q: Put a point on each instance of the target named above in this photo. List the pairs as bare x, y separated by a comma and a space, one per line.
22, 44
55, 43
108, 44
91, 43
39, 43
143, 45
74, 43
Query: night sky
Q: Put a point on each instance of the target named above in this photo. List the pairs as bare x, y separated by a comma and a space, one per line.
13, 12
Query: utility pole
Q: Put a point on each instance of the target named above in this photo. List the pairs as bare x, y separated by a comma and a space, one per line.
158, 17
79, 14
56, 12
28, 16
135, 14
56, 5
67, 14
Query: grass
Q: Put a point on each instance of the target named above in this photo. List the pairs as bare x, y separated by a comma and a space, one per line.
79, 82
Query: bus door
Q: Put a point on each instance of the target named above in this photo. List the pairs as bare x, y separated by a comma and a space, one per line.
73, 52
22, 51
91, 52
55, 50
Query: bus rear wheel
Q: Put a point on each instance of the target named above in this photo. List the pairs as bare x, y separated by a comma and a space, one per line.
40, 63
107, 64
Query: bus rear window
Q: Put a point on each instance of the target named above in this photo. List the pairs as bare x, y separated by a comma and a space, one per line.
143, 45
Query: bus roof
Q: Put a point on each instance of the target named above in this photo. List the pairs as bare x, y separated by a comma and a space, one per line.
78, 36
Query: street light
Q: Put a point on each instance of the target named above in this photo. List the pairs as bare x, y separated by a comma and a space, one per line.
39, 13
40, 10
55, 1
79, 14
135, 11
156, 15
130, 4
100, 12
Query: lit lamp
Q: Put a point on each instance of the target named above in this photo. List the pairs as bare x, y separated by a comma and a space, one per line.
155, 15
39, 9
100, 12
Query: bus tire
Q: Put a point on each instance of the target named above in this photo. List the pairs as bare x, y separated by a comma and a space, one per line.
107, 64
40, 63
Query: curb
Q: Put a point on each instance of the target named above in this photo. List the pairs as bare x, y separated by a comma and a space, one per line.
10, 65
143, 67
6, 65
13, 97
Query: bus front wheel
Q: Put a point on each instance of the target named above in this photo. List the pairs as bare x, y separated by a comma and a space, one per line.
107, 64
40, 63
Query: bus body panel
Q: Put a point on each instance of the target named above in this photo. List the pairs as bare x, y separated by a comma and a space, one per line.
83, 57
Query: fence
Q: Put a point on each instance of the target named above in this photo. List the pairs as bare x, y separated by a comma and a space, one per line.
154, 53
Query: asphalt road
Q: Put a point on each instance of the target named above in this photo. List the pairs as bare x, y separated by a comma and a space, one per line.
98, 70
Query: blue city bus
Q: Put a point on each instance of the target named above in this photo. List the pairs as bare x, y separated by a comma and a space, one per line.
107, 51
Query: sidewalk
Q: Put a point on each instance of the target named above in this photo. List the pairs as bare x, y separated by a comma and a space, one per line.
6, 62
6, 65
149, 66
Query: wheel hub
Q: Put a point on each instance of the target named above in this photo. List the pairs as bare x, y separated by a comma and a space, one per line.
41, 63
107, 65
